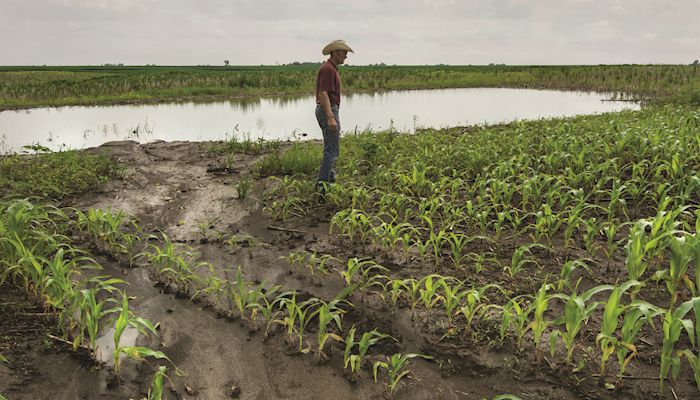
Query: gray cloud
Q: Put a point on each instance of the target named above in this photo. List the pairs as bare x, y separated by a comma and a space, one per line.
395, 32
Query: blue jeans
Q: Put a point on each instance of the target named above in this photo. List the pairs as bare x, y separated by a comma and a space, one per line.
331, 144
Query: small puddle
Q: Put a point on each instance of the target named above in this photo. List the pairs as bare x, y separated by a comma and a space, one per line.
105, 343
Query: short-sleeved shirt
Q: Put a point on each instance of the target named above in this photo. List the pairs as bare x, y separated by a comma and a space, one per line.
328, 80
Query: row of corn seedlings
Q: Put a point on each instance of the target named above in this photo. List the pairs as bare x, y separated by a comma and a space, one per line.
530, 317
264, 307
35, 253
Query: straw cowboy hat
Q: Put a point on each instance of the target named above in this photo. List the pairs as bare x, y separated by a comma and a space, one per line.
336, 45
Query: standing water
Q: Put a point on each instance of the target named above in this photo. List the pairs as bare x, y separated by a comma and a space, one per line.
289, 118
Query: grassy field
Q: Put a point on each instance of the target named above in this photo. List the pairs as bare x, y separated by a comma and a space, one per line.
22, 87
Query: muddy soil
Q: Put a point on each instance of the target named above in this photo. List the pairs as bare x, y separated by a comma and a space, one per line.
177, 188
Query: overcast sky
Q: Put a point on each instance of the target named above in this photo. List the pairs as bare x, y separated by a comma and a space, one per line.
251, 32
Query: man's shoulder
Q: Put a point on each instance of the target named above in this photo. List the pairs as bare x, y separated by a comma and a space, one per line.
327, 66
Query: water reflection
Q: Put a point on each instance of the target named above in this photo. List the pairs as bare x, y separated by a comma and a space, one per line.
288, 117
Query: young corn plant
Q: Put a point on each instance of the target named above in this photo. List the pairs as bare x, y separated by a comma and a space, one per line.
610, 229
429, 292
672, 327
682, 253
326, 314
436, 241
290, 309
304, 314
91, 313
480, 260
516, 314
452, 297
539, 324
567, 270
126, 318
572, 222
366, 272
270, 307
606, 340
694, 358
214, 286
636, 249
393, 290
413, 292
395, 368
244, 296
295, 260
474, 302
390, 234
593, 227
353, 224
155, 392
576, 313
314, 262
520, 258
546, 224
638, 313
457, 243
367, 340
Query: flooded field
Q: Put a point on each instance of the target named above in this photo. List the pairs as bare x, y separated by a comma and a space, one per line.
282, 118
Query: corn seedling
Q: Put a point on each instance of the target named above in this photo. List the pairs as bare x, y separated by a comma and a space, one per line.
636, 249
576, 313
474, 304
546, 224
682, 253
567, 271
593, 227
672, 327
243, 296
520, 258
318, 263
516, 314
290, 308
155, 392
367, 340
327, 313
352, 223
539, 324
606, 340
304, 314
452, 296
395, 368
271, 308
393, 290
693, 358
125, 318
429, 292
638, 313
243, 187
480, 260
214, 286
413, 290
611, 229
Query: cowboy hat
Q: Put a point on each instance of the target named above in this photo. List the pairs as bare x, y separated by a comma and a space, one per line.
336, 45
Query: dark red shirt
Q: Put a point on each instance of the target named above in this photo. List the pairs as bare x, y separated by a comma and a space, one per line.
328, 80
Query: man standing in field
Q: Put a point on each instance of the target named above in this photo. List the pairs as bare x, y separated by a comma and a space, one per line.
327, 106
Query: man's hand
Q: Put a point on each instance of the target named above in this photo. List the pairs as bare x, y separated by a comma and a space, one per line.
332, 124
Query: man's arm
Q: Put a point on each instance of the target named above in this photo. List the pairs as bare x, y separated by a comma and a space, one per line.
326, 104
